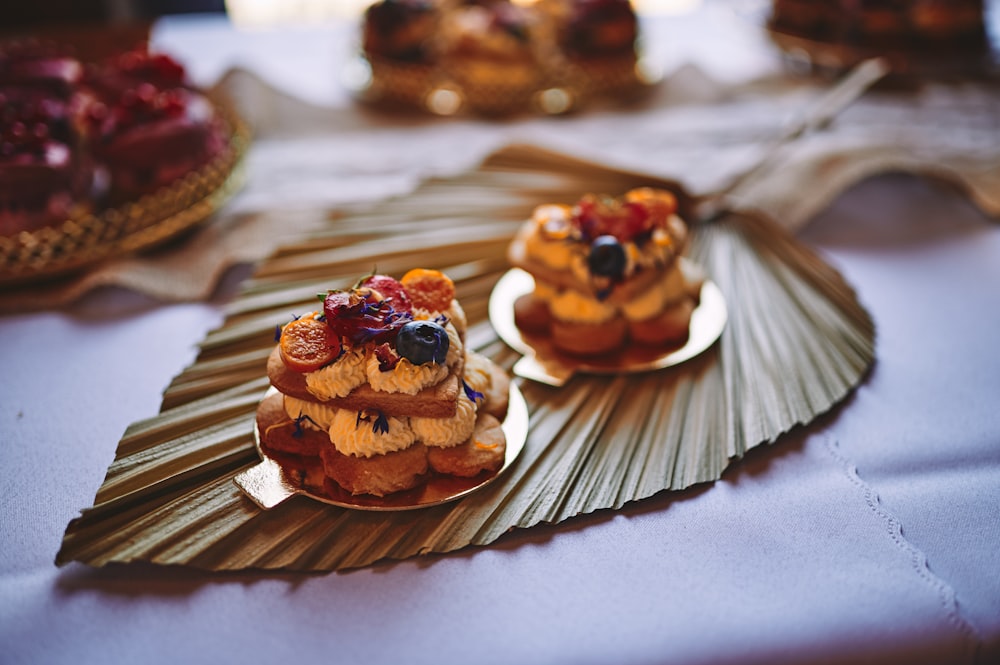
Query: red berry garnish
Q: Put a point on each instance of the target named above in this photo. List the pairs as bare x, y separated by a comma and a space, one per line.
604, 216
157, 67
391, 290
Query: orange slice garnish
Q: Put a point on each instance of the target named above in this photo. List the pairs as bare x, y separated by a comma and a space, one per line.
307, 344
429, 289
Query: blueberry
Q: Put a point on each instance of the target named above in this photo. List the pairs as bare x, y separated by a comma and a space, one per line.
422, 342
607, 257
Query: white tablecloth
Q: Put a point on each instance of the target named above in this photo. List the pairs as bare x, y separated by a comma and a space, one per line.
871, 535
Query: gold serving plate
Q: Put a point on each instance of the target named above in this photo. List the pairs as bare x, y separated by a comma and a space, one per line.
77, 243
280, 477
543, 363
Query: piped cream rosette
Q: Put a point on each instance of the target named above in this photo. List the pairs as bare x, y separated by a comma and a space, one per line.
364, 434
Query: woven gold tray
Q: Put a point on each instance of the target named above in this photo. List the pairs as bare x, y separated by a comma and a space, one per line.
135, 225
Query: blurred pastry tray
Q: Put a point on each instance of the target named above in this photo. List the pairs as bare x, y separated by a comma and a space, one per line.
560, 86
971, 57
135, 225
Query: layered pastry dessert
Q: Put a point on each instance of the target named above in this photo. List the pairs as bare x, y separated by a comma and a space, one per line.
506, 47
607, 273
885, 24
75, 138
378, 386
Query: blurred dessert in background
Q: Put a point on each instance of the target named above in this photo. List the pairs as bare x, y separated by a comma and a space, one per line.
45, 176
607, 273
74, 138
146, 125
930, 26
500, 53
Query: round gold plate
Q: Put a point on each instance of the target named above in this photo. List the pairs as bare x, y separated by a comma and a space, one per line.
543, 363
135, 225
276, 479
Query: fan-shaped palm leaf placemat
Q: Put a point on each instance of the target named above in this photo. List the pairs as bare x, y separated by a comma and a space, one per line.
797, 341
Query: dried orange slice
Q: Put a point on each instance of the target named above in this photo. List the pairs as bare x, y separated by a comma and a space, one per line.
307, 344
659, 203
429, 289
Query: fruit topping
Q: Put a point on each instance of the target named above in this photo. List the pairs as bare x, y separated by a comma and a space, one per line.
38, 65
386, 356
658, 203
607, 257
391, 290
30, 125
159, 68
423, 342
135, 106
429, 289
363, 315
602, 215
308, 343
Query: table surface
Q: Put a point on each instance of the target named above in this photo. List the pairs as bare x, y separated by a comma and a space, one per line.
871, 535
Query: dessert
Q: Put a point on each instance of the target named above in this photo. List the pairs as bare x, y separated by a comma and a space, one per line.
44, 179
146, 126
377, 389
498, 54
44, 176
929, 26
607, 273
74, 138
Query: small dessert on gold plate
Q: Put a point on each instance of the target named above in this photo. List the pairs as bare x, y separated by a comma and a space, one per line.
602, 285
376, 402
918, 37
500, 56
492, 44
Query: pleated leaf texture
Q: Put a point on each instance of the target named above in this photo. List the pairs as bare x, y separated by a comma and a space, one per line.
797, 341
